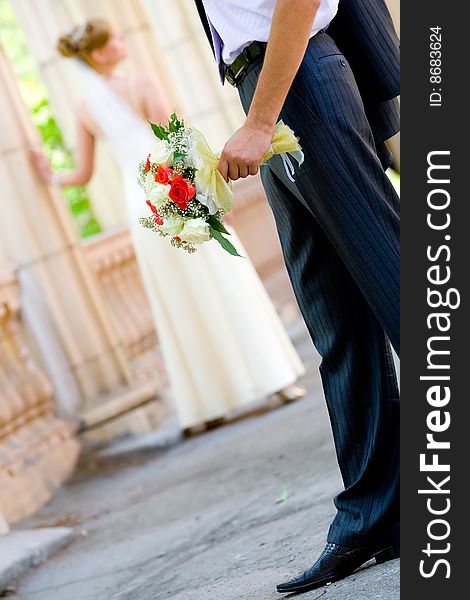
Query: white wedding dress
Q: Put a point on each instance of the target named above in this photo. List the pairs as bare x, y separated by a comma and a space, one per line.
222, 341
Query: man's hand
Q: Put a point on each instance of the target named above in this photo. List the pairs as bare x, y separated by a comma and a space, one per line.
243, 152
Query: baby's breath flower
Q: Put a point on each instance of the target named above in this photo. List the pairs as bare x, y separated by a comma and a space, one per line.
179, 168
179, 141
177, 243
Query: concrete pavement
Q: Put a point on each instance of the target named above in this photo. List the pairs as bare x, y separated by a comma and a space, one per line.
223, 516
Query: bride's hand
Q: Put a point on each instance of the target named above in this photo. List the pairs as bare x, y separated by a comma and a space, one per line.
41, 165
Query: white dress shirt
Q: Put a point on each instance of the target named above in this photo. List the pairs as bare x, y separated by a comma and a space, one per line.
240, 22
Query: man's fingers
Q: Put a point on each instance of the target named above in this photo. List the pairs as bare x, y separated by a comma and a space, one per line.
233, 171
223, 168
243, 169
234, 163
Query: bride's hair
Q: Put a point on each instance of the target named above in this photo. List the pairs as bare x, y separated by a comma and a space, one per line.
80, 41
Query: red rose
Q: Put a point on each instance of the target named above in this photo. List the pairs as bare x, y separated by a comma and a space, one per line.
147, 164
163, 174
181, 192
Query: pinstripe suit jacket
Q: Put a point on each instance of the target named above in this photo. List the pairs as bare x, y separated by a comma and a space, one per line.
363, 30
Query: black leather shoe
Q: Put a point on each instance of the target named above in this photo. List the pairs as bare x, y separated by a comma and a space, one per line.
336, 562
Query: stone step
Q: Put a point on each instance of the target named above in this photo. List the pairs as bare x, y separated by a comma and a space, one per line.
22, 549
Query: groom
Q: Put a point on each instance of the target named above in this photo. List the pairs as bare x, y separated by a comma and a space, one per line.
338, 225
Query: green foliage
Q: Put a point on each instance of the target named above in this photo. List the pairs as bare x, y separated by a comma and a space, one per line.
159, 131
174, 124
217, 224
35, 97
224, 242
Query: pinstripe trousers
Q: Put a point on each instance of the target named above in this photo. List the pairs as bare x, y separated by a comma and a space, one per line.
339, 230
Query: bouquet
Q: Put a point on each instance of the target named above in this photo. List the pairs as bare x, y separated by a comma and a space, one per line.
185, 192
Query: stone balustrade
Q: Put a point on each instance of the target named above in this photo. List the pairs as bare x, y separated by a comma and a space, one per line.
26, 391
112, 258
37, 450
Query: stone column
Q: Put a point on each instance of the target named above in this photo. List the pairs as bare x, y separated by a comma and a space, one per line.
86, 363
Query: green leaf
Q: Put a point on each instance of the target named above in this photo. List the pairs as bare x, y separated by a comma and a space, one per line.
283, 497
226, 245
159, 131
174, 124
217, 224
178, 156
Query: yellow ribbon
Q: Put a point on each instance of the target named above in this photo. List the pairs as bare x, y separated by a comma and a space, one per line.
211, 183
284, 141
208, 179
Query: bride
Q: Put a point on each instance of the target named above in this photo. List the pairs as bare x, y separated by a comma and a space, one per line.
222, 342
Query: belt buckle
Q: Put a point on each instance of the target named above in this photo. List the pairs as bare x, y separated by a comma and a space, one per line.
251, 52
230, 78
235, 78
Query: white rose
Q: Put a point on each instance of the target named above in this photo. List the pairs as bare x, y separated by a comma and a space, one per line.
158, 193
163, 154
195, 231
172, 226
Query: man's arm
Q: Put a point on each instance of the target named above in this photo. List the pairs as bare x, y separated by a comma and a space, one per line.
290, 32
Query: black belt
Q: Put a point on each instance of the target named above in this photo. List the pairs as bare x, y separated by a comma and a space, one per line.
238, 70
